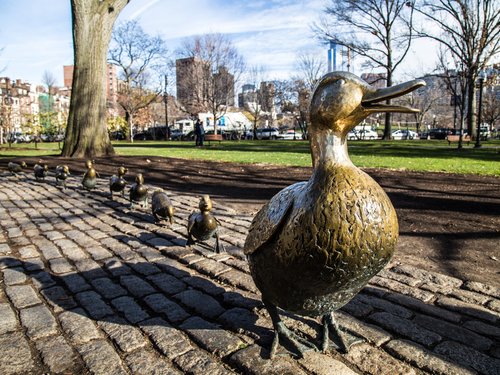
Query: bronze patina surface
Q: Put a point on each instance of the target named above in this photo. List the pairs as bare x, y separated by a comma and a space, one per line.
90, 177
203, 226
41, 171
316, 244
138, 192
162, 206
117, 184
62, 173
15, 168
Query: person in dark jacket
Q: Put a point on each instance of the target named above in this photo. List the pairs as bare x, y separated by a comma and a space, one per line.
200, 133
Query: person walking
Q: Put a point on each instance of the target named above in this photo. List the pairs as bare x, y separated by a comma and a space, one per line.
202, 134
197, 132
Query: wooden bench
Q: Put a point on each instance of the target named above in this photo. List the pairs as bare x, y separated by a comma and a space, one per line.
456, 138
213, 137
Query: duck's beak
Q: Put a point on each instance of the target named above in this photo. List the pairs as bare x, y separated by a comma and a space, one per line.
372, 97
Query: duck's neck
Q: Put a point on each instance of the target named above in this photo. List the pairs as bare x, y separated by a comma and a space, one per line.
328, 147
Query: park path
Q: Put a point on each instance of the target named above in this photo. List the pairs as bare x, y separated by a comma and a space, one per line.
90, 287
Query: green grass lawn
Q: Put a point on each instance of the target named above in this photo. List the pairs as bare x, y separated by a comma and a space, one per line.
418, 155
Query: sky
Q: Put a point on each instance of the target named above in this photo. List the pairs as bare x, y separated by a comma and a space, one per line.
36, 35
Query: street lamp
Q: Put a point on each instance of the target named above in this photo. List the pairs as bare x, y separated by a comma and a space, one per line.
481, 76
166, 108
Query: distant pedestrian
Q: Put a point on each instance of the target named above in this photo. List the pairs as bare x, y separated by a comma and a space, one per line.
201, 134
197, 132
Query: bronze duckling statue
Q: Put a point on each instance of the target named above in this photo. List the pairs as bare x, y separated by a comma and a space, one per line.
203, 226
138, 192
15, 168
161, 206
90, 177
62, 173
117, 183
317, 243
41, 171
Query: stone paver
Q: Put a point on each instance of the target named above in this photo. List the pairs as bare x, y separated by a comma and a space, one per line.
15, 354
88, 286
39, 321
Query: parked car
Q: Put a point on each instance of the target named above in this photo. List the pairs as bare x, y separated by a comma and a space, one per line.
362, 134
290, 135
404, 134
267, 133
437, 133
158, 133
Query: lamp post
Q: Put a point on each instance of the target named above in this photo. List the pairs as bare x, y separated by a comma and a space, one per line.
166, 108
481, 76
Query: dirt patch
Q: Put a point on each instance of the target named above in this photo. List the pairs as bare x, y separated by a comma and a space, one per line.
449, 223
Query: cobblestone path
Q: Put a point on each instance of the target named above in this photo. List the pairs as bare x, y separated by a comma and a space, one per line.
90, 287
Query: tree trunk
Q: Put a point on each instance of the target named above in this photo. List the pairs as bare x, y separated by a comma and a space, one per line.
471, 108
388, 120
86, 133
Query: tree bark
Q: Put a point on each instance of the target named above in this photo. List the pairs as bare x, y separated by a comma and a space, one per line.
86, 133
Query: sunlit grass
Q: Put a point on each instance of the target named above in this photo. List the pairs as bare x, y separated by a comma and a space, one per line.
416, 155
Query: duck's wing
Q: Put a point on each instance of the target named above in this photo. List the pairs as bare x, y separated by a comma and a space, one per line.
269, 218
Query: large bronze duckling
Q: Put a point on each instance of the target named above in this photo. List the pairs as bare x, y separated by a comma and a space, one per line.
62, 173
90, 177
41, 171
203, 226
316, 244
117, 183
138, 192
161, 206
15, 168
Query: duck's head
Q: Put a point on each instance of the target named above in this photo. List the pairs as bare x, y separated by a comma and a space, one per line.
89, 164
205, 204
341, 100
65, 169
122, 171
24, 165
45, 168
139, 179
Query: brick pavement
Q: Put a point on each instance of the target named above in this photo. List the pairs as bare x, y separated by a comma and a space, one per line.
88, 286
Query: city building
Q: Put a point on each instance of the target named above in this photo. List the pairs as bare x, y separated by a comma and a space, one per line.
188, 71
193, 84
17, 99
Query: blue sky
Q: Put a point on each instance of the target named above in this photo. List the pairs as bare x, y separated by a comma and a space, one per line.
36, 34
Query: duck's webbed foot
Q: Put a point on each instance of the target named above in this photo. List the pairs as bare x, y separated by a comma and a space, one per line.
219, 248
332, 337
294, 344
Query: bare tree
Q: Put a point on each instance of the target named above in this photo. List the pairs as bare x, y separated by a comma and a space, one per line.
206, 81
86, 133
491, 99
310, 67
379, 31
138, 55
293, 95
469, 30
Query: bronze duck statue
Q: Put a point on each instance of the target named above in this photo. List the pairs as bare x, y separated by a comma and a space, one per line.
203, 226
161, 206
317, 243
41, 171
15, 168
90, 177
138, 192
62, 173
117, 184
